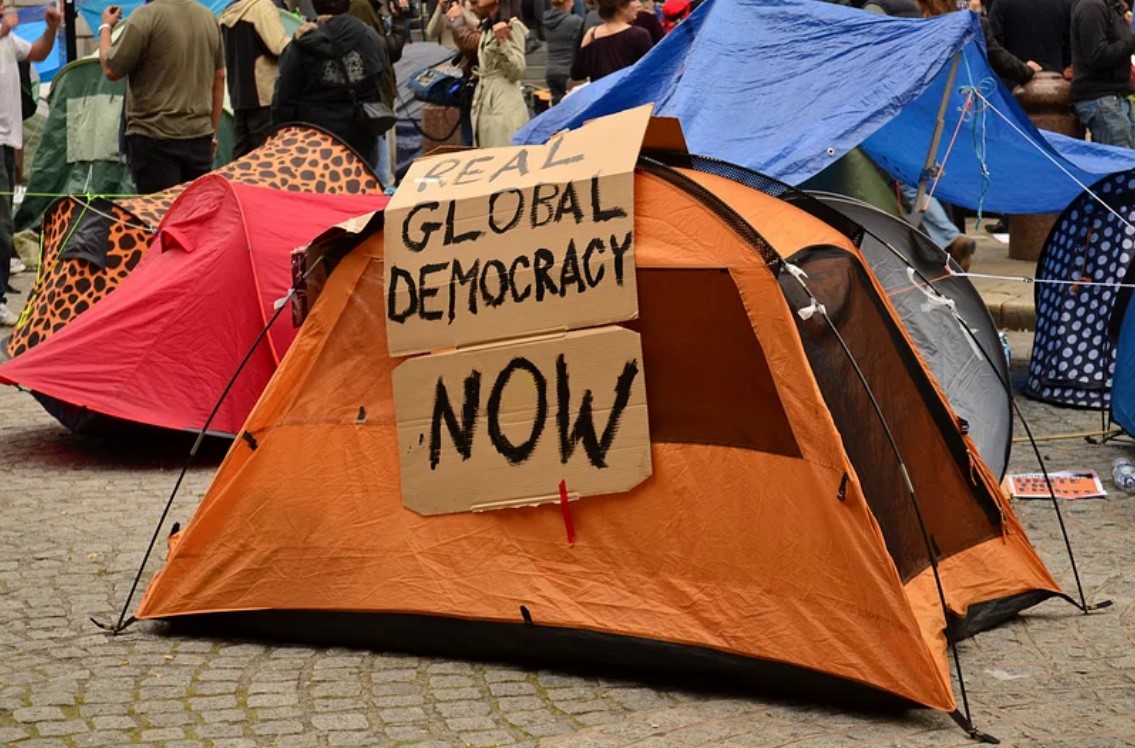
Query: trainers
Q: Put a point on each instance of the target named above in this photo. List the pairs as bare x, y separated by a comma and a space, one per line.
16, 266
7, 319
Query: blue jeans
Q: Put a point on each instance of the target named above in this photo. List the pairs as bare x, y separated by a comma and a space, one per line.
935, 223
382, 166
1110, 119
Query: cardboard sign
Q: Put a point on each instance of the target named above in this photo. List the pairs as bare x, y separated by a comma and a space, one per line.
491, 244
500, 426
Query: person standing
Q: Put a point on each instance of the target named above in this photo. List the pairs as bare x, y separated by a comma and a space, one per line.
498, 108
14, 50
254, 39
614, 44
561, 29
393, 40
328, 71
1102, 45
173, 60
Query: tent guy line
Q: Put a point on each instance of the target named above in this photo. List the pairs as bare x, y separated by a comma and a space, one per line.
1085, 188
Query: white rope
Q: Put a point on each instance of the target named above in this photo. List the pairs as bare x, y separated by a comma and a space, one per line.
1054, 161
1042, 281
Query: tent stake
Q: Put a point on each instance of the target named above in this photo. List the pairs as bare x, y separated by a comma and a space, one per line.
915, 217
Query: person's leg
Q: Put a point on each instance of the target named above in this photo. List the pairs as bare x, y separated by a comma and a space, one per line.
152, 167
557, 84
941, 230
935, 223
382, 163
1109, 120
7, 185
195, 156
259, 125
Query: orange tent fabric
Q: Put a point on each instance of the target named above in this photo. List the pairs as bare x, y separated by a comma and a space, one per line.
763, 534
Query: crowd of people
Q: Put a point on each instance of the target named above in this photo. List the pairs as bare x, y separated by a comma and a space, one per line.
1088, 42
337, 71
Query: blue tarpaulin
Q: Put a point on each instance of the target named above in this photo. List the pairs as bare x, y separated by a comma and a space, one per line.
31, 28
786, 87
91, 10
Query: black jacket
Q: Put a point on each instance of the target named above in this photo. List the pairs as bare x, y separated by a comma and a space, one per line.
312, 88
1102, 44
1034, 30
561, 30
1011, 69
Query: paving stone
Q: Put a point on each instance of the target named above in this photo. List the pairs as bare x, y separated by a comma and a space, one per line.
340, 721
1052, 678
38, 714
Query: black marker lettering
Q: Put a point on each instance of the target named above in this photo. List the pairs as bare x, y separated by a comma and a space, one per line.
450, 220
512, 222
593, 246
425, 292
541, 200
584, 429
522, 260
569, 203
599, 214
457, 279
620, 250
397, 274
502, 283
462, 435
517, 453
569, 270
542, 262
427, 228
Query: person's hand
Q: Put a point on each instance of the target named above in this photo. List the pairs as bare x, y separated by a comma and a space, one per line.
112, 15
502, 29
453, 12
1035, 66
52, 17
11, 20
303, 29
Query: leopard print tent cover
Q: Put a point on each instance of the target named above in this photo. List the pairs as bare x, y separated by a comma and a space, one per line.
301, 159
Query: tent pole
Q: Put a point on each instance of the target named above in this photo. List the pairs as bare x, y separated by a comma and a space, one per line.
915, 217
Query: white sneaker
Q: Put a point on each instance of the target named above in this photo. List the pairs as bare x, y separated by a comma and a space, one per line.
16, 266
7, 319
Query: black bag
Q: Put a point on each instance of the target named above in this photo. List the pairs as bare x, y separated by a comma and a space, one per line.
438, 84
374, 117
28, 103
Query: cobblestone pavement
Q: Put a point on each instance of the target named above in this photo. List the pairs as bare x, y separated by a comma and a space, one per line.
75, 517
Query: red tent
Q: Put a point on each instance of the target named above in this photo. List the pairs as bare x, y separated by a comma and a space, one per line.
161, 349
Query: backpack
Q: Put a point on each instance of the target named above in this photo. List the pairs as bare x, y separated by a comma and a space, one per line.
28, 101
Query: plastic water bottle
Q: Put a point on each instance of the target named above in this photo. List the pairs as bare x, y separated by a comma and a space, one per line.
1005, 347
1123, 473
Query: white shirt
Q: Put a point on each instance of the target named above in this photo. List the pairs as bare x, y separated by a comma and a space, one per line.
13, 50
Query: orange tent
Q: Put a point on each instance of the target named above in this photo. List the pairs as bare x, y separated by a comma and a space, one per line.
777, 534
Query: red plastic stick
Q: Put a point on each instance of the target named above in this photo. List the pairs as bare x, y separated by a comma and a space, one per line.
567, 514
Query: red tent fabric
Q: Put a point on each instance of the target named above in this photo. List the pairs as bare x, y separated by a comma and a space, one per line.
161, 349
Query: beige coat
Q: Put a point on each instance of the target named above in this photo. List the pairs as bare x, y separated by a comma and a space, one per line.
498, 104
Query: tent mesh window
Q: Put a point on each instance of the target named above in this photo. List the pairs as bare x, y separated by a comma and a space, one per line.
956, 505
